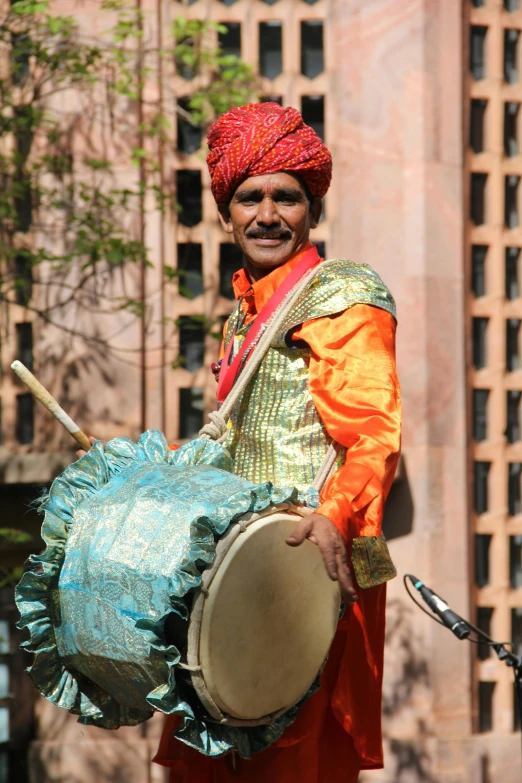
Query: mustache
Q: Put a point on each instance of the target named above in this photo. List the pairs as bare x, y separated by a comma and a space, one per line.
276, 233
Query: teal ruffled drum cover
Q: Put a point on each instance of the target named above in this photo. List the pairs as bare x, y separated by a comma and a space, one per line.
129, 529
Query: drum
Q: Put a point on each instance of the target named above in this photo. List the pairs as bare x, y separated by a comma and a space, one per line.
167, 585
262, 623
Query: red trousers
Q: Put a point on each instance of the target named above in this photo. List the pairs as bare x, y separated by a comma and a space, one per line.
315, 749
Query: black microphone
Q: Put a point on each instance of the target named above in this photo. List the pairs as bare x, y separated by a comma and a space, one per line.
456, 624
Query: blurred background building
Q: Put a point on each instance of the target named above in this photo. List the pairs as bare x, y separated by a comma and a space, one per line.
419, 101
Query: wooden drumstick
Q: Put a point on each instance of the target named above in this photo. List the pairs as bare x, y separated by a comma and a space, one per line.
41, 394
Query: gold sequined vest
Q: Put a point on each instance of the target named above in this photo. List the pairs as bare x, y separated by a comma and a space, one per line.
276, 433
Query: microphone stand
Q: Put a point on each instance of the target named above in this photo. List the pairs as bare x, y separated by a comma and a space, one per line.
503, 654
515, 663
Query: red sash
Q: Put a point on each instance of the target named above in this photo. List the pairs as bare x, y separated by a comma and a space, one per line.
229, 372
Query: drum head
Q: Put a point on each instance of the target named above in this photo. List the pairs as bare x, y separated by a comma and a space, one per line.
268, 621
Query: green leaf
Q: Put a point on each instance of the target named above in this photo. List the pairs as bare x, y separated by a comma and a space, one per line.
171, 273
9, 577
98, 164
12, 536
28, 7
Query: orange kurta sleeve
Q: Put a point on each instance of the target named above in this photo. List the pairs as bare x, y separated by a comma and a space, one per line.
354, 386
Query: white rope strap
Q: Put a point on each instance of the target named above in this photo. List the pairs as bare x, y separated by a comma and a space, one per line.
327, 467
216, 428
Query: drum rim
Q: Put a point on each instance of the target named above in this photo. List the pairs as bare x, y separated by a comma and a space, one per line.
195, 620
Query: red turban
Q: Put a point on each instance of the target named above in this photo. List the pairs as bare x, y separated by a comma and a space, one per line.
262, 138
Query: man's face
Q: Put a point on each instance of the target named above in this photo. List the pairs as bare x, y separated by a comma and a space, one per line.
270, 219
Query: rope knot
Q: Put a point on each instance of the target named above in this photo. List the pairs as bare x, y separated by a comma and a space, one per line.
216, 428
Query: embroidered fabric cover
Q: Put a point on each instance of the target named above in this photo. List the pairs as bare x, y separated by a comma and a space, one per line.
129, 528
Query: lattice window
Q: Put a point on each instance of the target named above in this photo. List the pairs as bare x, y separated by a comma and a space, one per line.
512, 344
516, 629
312, 109
511, 122
512, 182
24, 343
189, 136
191, 343
494, 96
486, 690
191, 410
513, 415
25, 418
512, 280
478, 269
230, 261
480, 417
511, 55
190, 269
270, 49
515, 560
477, 51
312, 55
479, 182
476, 129
484, 617
230, 40
480, 326
482, 544
189, 196
23, 279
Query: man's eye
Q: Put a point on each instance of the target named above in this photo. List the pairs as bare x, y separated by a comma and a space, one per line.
290, 198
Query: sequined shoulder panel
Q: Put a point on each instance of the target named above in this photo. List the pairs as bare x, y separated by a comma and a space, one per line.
338, 285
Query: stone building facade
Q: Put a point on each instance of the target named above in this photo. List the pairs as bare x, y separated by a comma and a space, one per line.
419, 102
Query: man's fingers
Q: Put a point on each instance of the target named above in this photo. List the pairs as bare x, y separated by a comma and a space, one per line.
82, 452
328, 552
348, 590
300, 532
334, 556
320, 531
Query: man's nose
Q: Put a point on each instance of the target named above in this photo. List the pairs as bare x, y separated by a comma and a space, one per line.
267, 213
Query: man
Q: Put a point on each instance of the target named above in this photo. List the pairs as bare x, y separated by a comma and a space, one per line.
329, 376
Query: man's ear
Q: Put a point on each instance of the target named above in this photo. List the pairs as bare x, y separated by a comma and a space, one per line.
316, 207
224, 218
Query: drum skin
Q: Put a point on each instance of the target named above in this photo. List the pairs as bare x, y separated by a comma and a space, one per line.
268, 621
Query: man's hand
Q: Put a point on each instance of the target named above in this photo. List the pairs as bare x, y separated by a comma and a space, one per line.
322, 532
82, 452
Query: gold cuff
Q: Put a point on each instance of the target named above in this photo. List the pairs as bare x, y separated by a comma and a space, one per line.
371, 561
